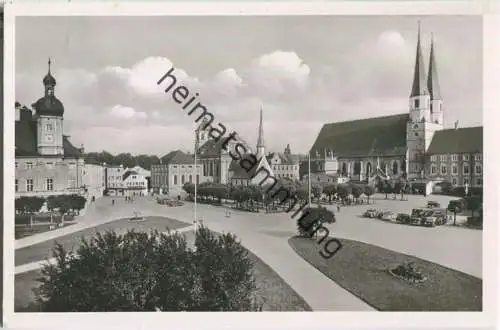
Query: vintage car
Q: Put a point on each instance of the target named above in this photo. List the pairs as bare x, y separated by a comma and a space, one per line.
403, 218
433, 204
370, 213
428, 217
388, 216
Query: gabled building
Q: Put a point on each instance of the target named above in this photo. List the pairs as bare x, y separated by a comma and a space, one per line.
284, 165
405, 145
258, 173
134, 183
176, 169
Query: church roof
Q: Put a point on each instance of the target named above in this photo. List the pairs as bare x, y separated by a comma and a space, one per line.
177, 157
364, 137
419, 86
456, 141
26, 141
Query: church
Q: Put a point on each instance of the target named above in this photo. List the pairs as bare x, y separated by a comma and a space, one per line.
413, 145
46, 162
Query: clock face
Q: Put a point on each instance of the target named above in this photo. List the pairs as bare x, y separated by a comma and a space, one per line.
49, 138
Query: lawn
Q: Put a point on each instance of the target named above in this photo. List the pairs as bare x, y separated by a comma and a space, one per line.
43, 250
272, 290
362, 269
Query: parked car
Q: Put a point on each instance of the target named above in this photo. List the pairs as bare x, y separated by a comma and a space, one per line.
388, 216
433, 204
428, 217
403, 218
370, 213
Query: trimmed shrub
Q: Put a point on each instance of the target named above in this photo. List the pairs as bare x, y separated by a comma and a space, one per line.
313, 217
141, 271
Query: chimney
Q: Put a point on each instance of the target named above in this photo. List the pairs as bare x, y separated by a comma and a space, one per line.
456, 124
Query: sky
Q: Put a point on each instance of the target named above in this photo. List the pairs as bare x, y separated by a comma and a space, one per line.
304, 71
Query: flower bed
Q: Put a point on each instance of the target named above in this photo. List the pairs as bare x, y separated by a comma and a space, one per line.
408, 272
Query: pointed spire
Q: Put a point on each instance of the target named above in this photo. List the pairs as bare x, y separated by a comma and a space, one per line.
432, 77
419, 84
260, 139
50, 62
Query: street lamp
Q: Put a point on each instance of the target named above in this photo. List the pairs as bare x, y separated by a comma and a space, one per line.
309, 176
195, 180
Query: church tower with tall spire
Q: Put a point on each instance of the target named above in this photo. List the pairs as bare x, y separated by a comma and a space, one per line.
433, 88
261, 152
425, 112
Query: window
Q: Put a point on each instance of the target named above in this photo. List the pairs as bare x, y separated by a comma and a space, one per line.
479, 182
443, 169
477, 157
29, 165
29, 185
49, 127
175, 179
444, 158
197, 179
454, 169
416, 133
17, 185
190, 178
49, 184
465, 157
49, 165
182, 179
17, 164
454, 181
433, 169
416, 103
433, 158
454, 158
478, 169
466, 168
466, 181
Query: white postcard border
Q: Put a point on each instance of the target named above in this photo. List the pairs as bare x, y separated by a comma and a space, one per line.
274, 320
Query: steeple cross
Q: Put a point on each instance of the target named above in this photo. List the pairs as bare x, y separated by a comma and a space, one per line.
50, 62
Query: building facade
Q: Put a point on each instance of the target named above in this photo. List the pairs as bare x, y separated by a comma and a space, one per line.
94, 180
176, 169
407, 145
134, 183
114, 180
46, 163
284, 165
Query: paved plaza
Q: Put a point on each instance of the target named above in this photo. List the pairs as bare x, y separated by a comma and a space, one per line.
266, 235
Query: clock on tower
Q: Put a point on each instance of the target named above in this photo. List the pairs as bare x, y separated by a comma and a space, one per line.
49, 138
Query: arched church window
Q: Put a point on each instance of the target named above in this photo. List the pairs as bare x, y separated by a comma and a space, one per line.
395, 168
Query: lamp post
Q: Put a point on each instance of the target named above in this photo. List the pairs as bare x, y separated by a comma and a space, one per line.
195, 182
309, 176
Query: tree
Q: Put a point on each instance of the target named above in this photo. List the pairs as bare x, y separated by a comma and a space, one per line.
357, 190
455, 206
312, 218
316, 191
330, 190
369, 191
473, 204
108, 274
344, 192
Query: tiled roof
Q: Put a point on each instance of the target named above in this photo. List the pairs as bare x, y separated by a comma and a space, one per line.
129, 173
372, 136
177, 157
26, 140
454, 141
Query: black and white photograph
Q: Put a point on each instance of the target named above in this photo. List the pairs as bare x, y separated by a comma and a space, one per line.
246, 163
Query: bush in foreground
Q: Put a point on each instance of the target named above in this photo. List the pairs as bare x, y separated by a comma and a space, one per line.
153, 271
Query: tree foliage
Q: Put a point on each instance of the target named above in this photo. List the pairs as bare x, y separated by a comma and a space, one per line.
140, 271
312, 218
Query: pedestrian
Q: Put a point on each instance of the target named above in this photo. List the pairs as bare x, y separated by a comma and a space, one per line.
112, 202
338, 208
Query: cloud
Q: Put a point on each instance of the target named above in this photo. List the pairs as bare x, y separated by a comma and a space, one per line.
126, 112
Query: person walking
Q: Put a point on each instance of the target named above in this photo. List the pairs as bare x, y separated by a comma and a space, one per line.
338, 208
